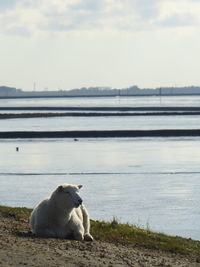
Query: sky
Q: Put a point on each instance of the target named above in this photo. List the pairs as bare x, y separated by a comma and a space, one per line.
66, 44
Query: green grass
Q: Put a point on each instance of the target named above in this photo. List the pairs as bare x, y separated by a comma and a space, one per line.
16, 212
129, 234
125, 234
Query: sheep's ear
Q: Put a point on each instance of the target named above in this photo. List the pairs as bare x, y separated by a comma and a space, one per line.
60, 188
80, 186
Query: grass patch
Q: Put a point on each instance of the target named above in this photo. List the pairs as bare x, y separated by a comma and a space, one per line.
116, 232
18, 213
128, 234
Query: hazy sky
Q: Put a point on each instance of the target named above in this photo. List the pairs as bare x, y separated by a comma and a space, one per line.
65, 44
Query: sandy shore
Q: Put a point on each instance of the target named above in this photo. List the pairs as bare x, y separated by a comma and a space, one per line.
19, 247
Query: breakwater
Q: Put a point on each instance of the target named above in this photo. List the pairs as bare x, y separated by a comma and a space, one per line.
101, 134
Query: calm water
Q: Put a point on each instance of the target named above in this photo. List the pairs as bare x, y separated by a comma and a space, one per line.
152, 182
104, 101
101, 123
144, 181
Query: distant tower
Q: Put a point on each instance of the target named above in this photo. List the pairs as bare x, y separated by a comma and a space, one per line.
34, 86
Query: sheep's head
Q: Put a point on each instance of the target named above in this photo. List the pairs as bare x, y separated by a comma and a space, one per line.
67, 196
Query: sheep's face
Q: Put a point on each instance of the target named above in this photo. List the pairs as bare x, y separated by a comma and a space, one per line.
67, 196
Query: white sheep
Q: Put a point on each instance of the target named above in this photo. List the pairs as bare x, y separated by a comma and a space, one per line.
62, 215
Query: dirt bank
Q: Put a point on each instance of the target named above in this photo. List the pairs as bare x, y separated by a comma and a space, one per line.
18, 247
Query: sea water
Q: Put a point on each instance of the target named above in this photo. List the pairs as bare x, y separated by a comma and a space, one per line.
101, 123
149, 182
117, 101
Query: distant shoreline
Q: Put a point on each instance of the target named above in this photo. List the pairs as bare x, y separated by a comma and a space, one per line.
96, 96
93, 114
100, 134
99, 92
104, 108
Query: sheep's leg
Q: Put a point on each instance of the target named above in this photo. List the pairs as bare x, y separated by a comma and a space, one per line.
86, 224
78, 231
77, 228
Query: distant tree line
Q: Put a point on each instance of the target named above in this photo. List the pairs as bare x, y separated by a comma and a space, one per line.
6, 92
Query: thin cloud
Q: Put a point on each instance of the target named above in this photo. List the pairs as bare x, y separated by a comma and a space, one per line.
88, 5
178, 20
19, 31
44, 16
146, 9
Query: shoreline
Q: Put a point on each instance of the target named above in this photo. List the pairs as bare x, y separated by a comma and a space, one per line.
95, 114
100, 134
118, 93
19, 247
106, 108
